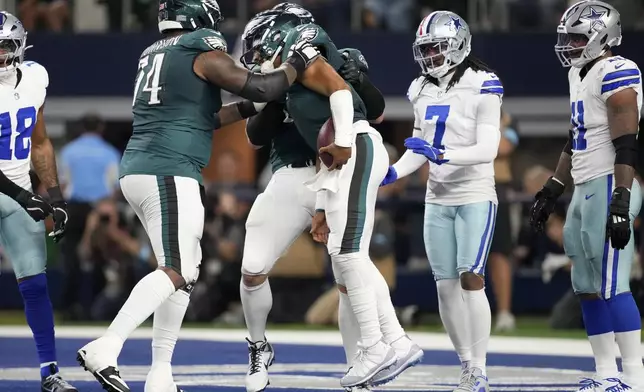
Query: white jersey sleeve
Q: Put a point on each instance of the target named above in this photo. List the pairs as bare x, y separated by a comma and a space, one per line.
38, 79
618, 74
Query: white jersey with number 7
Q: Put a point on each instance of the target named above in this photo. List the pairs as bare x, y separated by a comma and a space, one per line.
449, 120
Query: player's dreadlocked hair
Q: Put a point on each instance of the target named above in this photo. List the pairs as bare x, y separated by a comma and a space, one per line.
470, 62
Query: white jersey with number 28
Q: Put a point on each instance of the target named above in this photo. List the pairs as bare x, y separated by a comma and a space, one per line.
448, 119
593, 153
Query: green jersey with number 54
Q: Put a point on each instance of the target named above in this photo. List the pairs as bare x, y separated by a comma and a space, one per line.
175, 112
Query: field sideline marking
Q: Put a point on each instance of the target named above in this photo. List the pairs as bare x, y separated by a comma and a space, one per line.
428, 341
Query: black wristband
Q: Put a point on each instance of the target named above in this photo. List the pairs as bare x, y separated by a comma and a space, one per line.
297, 63
246, 108
55, 195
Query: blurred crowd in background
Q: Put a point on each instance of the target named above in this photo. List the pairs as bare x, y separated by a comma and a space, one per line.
106, 250
387, 15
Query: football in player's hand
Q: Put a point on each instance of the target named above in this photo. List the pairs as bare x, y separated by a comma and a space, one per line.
326, 136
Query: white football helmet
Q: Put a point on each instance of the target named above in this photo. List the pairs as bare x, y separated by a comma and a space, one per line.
13, 43
586, 31
443, 41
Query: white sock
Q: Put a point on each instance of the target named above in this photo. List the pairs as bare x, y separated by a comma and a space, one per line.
166, 326
356, 276
453, 312
257, 302
604, 351
389, 324
349, 328
151, 291
480, 322
630, 346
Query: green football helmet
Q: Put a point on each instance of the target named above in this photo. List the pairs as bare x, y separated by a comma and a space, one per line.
189, 15
264, 33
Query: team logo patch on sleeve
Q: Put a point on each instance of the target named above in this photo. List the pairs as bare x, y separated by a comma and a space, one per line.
308, 34
216, 43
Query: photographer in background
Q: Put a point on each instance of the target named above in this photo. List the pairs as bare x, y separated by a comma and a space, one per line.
110, 256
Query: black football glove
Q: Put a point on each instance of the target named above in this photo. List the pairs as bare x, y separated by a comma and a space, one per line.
350, 71
618, 226
37, 208
544, 204
301, 55
59, 213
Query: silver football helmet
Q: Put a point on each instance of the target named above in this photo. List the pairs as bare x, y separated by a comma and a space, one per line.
13, 42
586, 31
443, 41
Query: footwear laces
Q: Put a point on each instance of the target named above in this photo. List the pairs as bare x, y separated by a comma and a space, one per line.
255, 351
467, 381
619, 386
586, 384
57, 380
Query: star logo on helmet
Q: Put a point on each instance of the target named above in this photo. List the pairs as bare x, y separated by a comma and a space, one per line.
455, 23
594, 16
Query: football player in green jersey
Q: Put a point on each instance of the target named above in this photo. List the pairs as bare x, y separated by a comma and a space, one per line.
348, 195
176, 107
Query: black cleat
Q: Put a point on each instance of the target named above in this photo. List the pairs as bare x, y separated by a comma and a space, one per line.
55, 383
108, 377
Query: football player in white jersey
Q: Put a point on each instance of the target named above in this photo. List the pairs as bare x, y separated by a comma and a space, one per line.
599, 158
457, 111
23, 140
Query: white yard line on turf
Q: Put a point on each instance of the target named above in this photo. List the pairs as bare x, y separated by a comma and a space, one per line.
428, 341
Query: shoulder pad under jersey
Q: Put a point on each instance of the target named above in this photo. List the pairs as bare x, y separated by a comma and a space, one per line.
414, 89
35, 73
204, 40
616, 74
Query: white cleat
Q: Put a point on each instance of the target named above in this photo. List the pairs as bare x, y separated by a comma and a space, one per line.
408, 354
98, 357
160, 379
260, 357
368, 363
472, 380
363, 388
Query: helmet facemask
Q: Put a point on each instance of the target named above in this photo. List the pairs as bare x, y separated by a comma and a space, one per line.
577, 50
434, 56
11, 54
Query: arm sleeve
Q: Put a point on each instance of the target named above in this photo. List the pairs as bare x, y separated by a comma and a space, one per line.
372, 98
342, 113
410, 161
9, 187
488, 135
262, 127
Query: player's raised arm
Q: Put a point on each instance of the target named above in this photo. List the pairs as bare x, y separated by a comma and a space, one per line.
354, 71
220, 69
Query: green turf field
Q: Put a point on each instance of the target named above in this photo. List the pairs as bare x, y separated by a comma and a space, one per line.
526, 326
